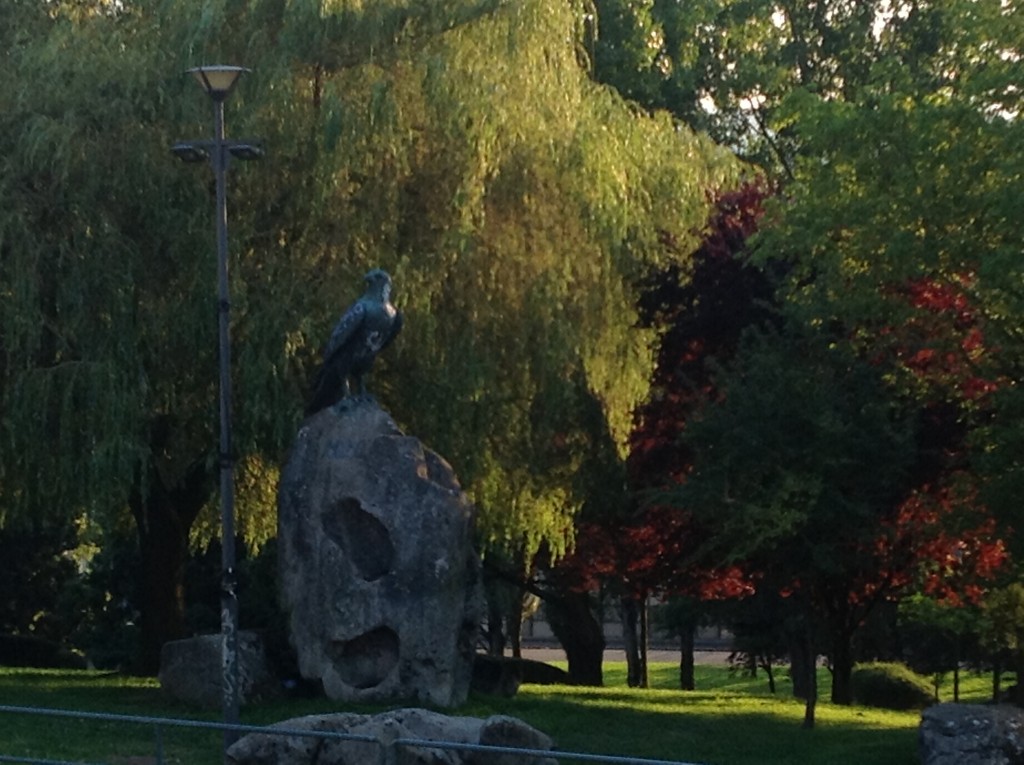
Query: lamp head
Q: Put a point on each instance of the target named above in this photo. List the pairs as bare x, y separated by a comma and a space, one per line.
190, 152
218, 80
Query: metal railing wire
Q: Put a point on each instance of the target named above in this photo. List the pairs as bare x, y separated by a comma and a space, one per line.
35, 761
388, 747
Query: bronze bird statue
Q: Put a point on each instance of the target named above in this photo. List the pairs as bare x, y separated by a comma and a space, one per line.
364, 330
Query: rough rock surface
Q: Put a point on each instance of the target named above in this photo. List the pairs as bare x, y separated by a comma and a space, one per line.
971, 734
191, 670
379, 731
377, 570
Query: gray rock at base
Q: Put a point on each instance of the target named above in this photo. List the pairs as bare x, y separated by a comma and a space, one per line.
378, 575
502, 730
971, 734
191, 670
419, 724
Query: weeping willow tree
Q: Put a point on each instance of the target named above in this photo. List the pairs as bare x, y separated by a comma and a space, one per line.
458, 144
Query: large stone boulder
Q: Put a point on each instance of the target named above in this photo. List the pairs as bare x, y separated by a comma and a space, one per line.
378, 574
191, 670
971, 734
377, 736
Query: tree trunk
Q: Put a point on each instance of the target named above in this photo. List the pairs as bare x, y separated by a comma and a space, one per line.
1017, 696
842, 670
810, 680
645, 639
997, 676
687, 681
629, 613
765, 661
580, 635
162, 610
811, 702
163, 519
514, 625
495, 634
801, 664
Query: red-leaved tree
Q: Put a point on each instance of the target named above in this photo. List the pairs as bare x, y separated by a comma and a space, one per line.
702, 308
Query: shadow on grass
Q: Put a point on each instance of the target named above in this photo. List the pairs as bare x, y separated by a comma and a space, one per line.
717, 730
716, 727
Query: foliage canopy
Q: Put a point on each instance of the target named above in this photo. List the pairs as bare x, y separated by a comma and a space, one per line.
459, 145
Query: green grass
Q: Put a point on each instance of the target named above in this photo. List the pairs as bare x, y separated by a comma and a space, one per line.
731, 720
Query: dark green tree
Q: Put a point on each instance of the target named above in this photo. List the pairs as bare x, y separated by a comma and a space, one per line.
729, 66
903, 215
939, 637
796, 469
38, 570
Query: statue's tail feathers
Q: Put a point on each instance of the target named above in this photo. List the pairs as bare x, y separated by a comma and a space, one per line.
326, 390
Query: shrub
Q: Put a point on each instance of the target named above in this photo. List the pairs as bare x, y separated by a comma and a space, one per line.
890, 686
29, 651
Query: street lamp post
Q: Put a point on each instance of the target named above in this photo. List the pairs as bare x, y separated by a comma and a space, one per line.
218, 82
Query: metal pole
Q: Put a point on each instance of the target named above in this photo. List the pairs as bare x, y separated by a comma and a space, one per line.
229, 595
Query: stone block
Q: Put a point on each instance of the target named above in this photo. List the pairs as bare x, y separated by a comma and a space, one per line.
191, 670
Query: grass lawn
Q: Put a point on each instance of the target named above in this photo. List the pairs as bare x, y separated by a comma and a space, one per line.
731, 720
